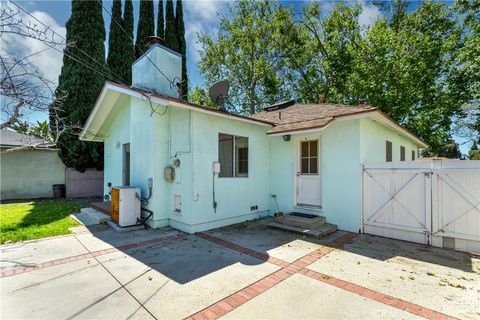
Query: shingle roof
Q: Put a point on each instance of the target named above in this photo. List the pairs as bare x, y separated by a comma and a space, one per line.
10, 138
307, 116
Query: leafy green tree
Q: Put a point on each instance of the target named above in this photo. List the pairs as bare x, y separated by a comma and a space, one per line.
182, 45
78, 86
200, 96
246, 54
129, 47
474, 153
407, 70
119, 47
40, 129
466, 70
145, 28
323, 52
160, 21
171, 36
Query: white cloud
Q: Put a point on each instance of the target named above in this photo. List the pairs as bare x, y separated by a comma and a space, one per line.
201, 16
369, 15
48, 62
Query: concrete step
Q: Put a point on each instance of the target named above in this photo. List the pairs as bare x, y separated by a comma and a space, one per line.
319, 232
83, 219
95, 216
305, 221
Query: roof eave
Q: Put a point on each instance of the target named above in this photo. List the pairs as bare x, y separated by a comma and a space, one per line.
84, 135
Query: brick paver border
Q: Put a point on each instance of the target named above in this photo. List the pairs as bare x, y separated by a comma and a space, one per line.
238, 298
375, 295
19, 270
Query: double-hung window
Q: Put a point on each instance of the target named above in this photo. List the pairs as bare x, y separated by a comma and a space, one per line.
232, 155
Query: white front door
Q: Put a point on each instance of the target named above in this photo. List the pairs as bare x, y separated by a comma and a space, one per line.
309, 181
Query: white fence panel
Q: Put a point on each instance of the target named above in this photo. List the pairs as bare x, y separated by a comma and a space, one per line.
432, 202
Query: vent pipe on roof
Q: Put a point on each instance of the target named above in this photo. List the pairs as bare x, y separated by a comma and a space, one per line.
154, 40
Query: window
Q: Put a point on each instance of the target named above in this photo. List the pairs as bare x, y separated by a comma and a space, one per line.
233, 156
413, 155
309, 157
402, 153
388, 151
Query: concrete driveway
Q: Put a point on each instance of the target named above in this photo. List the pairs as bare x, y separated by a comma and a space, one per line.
241, 272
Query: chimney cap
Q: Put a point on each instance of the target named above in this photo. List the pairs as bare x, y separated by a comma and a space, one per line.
321, 98
154, 40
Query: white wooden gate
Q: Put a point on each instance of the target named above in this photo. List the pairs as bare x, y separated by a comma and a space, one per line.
433, 202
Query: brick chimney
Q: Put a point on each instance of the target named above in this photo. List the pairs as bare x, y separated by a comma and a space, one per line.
362, 104
158, 69
321, 98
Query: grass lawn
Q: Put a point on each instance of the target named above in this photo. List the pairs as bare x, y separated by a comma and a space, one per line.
36, 219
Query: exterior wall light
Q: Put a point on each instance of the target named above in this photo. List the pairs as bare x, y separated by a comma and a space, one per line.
286, 137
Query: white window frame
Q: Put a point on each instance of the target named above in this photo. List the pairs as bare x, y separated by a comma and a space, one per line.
234, 156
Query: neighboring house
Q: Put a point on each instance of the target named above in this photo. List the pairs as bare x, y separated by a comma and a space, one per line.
290, 157
29, 166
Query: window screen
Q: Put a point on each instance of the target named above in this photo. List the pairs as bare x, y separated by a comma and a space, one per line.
309, 157
388, 151
241, 156
402, 153
232, 155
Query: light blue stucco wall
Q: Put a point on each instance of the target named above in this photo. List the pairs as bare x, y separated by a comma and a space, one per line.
117, 134
372, 141
157, 139
234, 196
340, 177
145, 74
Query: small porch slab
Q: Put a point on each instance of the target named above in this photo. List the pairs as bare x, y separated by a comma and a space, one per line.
306, 224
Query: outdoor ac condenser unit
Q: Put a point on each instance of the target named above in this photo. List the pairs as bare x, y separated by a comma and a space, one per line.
125, 205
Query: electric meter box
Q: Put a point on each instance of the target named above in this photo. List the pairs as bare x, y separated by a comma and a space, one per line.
216, 167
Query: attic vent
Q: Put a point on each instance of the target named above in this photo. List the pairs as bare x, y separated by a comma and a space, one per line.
280, 105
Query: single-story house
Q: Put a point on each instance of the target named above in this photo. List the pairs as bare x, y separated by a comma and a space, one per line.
29, 166
290, 157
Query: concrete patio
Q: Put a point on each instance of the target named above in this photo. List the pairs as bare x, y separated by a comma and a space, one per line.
240, 272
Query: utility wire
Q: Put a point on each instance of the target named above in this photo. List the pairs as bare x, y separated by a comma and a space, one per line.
108, 73
67, 44
172, 83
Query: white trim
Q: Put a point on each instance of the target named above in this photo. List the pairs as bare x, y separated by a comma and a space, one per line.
395, 126
376, 114
306, 131
158, 100
296, 168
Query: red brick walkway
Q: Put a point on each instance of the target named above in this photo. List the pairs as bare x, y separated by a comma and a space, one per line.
240, 297
19, 270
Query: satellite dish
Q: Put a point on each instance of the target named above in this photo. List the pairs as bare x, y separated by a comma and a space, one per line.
218, 93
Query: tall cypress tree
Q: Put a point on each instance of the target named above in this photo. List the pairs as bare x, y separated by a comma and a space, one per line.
128, 40
182, 45
171, 37
160, 21
117, 55
80, 85
145, 28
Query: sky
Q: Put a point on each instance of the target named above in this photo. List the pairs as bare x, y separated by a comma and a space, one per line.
200, 16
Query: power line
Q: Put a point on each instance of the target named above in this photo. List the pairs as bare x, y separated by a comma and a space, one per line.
67, 44
172, 83
108, 73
